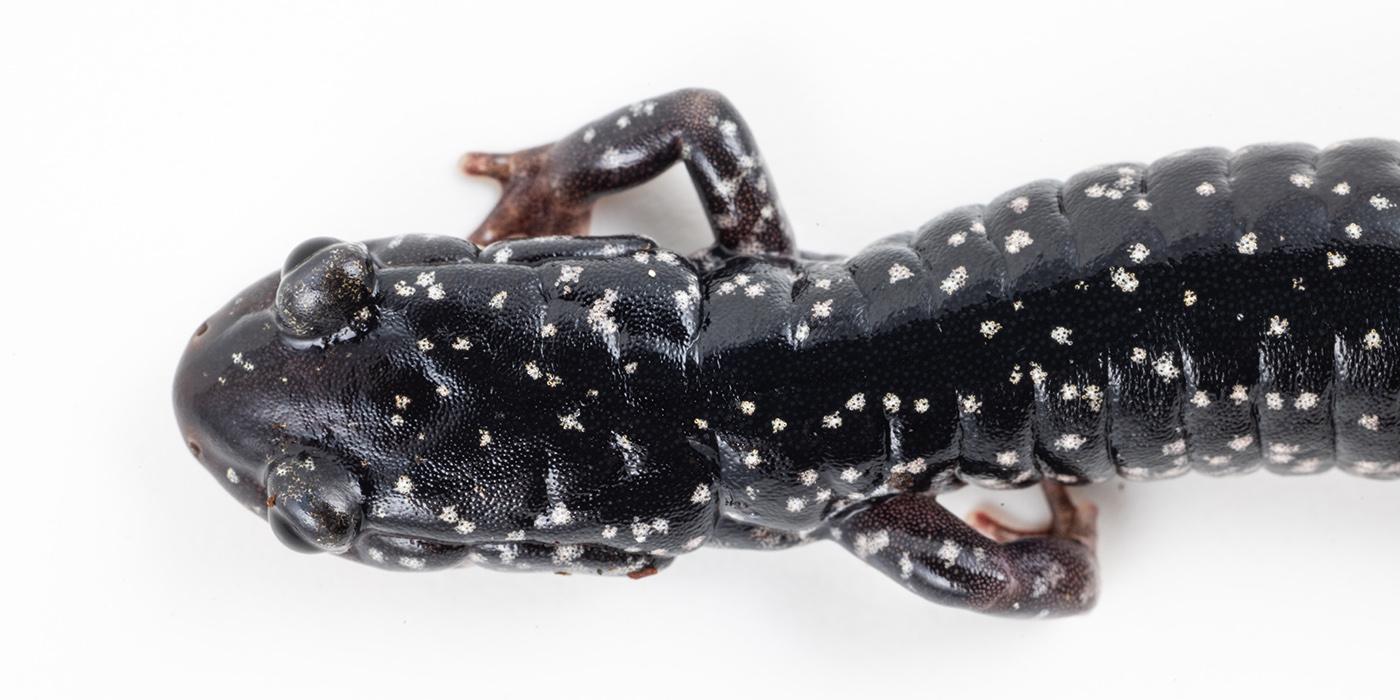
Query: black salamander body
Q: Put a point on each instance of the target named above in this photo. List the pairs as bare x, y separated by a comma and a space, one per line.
601, 404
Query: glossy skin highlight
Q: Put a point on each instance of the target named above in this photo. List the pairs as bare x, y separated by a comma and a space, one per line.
565, 403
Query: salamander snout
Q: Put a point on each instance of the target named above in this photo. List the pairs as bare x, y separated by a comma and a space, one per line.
257, 386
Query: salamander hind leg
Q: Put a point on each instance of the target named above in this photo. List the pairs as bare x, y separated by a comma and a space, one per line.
550, 190
915, 541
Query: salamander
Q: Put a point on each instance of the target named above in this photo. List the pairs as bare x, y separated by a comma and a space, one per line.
532, 398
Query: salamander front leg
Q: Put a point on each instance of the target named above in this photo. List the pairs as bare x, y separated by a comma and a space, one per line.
915, 541
550, 189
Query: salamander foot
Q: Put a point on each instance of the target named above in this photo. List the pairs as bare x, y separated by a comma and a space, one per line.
915, 541
531, 204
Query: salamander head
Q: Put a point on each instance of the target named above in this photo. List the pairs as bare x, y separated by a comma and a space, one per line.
409, 388
248, 385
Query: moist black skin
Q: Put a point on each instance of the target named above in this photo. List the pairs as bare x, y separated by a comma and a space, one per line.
532, 400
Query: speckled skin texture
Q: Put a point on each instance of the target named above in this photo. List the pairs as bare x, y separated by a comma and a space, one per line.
562, 403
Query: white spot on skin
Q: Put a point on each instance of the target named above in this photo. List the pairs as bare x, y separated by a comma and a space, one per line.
1017, 241
807, 477
1061, 335
1335, 260
1188, 298
570, 421
1282, 453
849, 475
498, 301
1094, 395
1139, 355
970, 404
899, 272
404, 485
465, 527
1342, 188
589, 135
913, 466
752, 459
1368, 421
600, 313
1274, 401
1177, 447
948, 553
1301, 180
831, 421
1306, 401
1070, 441
560, 515
957, 239
891, 403
1124, 280
1142, 205
1372, 341
502, 256
231, 475
425, 344
990, 328
728, 128
1008, 458
701, 494
795, 504
403, 289
1069, 392
1278, 326
822, 309
1239, 394
906, 566
856, 402
569, 274
623, 121
460, 343
485, 437
1247, 244
954, 281
1201, 399
1166, 368
1381, 203
802, 332
1138, 252
866, 545
1038, 374
1019, 205
1353, 230
1241, 442
1205, 189
747, 407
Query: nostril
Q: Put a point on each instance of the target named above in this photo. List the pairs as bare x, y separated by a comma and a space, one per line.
194, 448
203, 328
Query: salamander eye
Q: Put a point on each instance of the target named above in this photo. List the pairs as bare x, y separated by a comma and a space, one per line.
327, 287
313, 504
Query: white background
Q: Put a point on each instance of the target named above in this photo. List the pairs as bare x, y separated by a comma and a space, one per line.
155, 158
